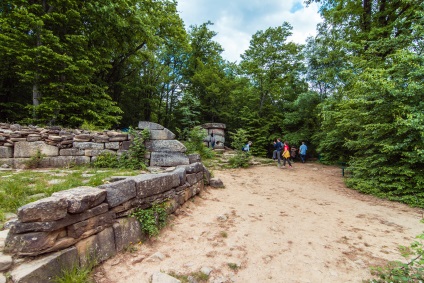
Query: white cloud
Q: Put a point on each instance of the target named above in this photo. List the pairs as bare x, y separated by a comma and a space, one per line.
236, 21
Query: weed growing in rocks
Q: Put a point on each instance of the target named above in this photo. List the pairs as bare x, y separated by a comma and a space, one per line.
152, 220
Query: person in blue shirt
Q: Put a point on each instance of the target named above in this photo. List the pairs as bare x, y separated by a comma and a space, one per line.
302, 152
247, 146
278, 145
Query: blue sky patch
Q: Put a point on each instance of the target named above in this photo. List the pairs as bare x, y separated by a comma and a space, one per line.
296, 7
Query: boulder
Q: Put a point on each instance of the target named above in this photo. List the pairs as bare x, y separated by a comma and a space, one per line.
82, 198
47, 209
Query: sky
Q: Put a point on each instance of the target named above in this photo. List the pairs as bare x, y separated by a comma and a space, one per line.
236, 21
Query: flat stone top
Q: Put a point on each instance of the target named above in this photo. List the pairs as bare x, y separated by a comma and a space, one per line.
214, 126
149, 125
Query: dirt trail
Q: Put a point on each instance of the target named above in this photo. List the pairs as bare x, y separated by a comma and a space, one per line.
276, 225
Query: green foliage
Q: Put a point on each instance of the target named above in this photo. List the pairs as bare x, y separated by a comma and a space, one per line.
133, 159
35, 161
77, 273
241, 158
17, 190
400, 272
153, 219
195, 143
197, 276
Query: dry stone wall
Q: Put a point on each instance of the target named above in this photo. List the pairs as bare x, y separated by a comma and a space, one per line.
63, 147
73, 225
70, 227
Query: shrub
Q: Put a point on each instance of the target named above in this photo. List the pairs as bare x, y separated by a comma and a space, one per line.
398, 272
152, 220
241, 158
195, 143
35, 161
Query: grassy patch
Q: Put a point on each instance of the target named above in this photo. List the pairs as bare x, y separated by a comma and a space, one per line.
20, 187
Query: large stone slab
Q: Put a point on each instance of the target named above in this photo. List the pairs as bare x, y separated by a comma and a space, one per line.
82, 198
78, 229
31, 243
165, 145
127, 230
19, 227
89, 145
63, 161
192, 168
168, 159
119, 192
214, 126
46, 209
164, 134
46, 268
216, 132
149, 125
6, 261
99, 247
6, 152
71, 152
24, 149
153, 184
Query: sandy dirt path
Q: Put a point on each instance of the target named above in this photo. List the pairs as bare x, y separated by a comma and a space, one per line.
275, 225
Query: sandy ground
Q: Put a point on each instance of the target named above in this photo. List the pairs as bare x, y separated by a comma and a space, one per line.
274, 225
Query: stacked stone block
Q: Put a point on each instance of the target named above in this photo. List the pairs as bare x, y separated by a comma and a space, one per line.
62, 147
74, 225
218, 131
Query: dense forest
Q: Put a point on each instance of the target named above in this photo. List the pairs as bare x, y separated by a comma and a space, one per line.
354, 92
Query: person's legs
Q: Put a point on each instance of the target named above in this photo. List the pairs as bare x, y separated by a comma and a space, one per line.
274, 154
288, 160
303, 156
279, 158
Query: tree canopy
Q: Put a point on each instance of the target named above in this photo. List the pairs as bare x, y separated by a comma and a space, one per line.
354, 93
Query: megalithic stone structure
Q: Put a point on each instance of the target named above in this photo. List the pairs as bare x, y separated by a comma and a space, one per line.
218, 130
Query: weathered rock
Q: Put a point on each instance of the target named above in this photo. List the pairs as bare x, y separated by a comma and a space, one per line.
46, 268
33, 137
30, 243
153, 184
97, 152
99, 247
194, 157
112, 145
165, 145
127, 230
71, 152
6, 152
149, 125
82, 138
216, 183
29, 149
78, 229
192, 168
19, 227
2, 278
88, 145
206, 175
119, 192
6, 261
47, 209
63, 161
119, 137
159, 277
163, 134
214, 126
168, 159
82, 198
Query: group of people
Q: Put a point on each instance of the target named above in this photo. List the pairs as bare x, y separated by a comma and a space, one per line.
288, 154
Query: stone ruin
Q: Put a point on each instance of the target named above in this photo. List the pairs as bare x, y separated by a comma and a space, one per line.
64, 147
70, 227
218, 131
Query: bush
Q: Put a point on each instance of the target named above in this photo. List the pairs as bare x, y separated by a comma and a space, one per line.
132, 159
241, 158
152, 220
195, 143
398, 272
